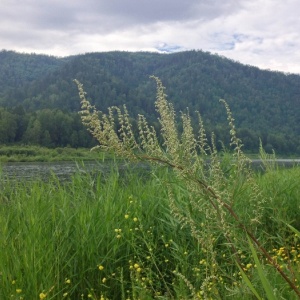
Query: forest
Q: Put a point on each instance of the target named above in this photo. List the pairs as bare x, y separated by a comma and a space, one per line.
39, 101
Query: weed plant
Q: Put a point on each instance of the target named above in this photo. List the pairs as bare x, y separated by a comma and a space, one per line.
229, 204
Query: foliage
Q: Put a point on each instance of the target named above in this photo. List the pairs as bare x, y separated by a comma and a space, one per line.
47, 128
215, 190
18, 69
265, 103
112, 234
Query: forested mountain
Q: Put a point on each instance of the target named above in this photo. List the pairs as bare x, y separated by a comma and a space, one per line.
39, 100
19, 69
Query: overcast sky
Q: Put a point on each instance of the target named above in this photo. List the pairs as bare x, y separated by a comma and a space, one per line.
263, 33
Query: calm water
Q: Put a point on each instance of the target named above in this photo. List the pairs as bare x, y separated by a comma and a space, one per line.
63, 170
280, 162
43, 170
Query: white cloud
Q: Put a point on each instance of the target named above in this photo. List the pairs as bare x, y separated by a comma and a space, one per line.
264, 33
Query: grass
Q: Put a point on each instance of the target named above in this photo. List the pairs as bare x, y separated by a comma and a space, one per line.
113, 237
42, 154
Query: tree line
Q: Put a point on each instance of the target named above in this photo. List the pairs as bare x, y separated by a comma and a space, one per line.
54, 128
46, 127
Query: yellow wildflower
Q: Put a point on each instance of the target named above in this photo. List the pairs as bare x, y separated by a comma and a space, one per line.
43, 296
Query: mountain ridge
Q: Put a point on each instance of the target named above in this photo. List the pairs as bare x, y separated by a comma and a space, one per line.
265, 104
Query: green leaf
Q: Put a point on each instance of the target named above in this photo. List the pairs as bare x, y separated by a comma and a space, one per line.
264, 281
293, 229
248, 282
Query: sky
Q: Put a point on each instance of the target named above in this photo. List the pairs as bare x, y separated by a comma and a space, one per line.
262, 33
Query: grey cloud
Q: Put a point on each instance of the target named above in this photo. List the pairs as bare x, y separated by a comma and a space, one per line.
145, 11
105, 16
150, 11
253, 31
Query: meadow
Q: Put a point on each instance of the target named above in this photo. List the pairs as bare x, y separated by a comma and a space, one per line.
198, 224
114, 236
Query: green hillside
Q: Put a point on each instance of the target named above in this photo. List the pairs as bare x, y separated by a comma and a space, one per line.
40, 100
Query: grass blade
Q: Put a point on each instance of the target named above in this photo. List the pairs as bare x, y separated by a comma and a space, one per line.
264, 281
248, 282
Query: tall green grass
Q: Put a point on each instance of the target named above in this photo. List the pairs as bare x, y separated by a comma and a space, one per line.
53, 233
113, 237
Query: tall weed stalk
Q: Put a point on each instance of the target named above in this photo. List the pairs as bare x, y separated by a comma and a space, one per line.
212, 203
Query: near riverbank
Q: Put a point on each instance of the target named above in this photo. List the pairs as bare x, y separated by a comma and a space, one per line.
118, 236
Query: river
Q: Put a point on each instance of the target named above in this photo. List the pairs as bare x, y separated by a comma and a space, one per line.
61, 169
44, 170
64, 170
